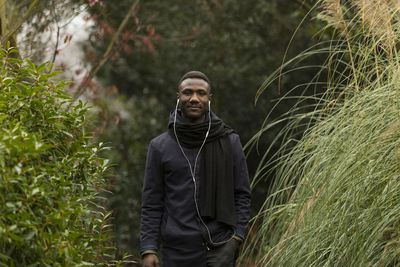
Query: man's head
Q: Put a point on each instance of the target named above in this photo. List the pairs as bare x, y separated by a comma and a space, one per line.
194, 92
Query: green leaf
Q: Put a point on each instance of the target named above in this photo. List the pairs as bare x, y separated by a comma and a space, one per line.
28, 236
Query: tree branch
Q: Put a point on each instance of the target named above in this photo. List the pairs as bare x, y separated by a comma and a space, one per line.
22, 20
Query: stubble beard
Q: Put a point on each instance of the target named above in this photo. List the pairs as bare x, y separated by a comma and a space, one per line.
193, 117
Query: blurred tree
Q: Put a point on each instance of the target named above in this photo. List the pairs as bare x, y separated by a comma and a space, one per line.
130, 126
35, 15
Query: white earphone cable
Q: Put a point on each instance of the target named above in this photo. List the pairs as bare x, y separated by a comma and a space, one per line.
193, 171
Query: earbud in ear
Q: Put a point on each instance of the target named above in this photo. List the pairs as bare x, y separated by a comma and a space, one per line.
209, 105
177, 101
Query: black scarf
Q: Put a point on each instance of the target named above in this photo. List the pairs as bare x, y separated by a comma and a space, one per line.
216, 170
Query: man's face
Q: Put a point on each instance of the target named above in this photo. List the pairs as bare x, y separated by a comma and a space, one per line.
194, 95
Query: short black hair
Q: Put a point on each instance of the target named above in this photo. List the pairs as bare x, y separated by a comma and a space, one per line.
194, 74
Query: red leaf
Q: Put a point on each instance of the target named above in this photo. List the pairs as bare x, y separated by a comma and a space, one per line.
117, 118
148, 43
218, 4
158, 37
93, 2
67, 38
127, 49
150, 29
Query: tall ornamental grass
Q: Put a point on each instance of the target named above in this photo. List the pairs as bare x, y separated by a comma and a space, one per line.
336, 197
51, 175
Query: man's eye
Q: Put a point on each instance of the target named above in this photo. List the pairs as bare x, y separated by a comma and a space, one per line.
186, 92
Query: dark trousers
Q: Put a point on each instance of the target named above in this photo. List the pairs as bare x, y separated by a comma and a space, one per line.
222, 256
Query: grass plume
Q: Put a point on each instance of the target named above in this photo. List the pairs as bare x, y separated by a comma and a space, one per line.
331, 11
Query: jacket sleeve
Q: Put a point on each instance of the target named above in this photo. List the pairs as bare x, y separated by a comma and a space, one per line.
152, 200
242, 188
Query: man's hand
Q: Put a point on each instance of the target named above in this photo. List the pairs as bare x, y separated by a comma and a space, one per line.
151, 260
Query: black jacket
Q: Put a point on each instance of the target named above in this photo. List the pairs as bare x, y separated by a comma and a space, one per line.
168, 206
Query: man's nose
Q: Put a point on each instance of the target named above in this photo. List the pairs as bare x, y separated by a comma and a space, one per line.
194, 98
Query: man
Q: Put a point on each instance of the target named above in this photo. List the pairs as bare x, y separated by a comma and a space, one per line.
196, 194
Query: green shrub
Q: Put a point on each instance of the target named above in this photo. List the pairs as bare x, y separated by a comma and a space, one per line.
50, 174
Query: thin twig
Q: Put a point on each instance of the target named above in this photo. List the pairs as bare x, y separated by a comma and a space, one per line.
181, 38
55, 48
57, 40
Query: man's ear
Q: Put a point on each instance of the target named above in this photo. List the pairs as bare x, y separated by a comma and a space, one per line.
210, 97
178, 95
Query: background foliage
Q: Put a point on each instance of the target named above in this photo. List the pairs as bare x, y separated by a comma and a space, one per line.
235, 43
135, 53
